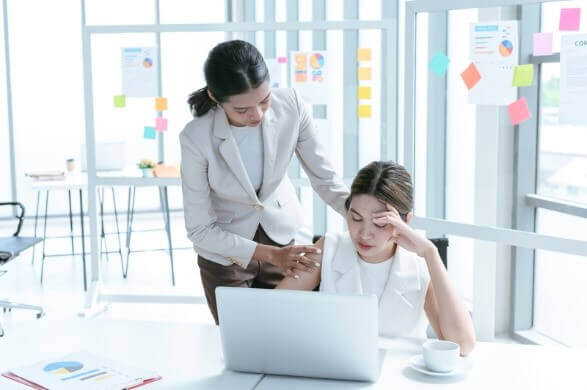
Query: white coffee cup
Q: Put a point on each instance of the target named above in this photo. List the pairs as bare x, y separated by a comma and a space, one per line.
440, 355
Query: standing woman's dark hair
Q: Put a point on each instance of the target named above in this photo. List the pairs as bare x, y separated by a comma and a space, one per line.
387, 181
232, 68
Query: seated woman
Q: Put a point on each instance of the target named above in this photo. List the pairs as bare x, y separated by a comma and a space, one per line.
382, 255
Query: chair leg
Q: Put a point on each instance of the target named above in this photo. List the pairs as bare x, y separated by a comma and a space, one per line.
44, 235
71, 223
36, 219
7, 305
103, 234
130, 218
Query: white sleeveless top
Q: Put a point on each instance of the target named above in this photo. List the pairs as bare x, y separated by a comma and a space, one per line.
401, 307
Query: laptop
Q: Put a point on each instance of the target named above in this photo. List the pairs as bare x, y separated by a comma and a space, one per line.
299, 333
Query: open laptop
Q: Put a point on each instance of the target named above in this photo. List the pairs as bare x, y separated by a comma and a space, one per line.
299, 333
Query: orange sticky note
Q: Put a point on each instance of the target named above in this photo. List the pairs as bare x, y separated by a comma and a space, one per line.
364, 111
364, 73
160, 104
364, 92
364, 54
471, 76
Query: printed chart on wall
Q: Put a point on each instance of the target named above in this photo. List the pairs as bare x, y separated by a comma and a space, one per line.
82, 370
494, 51
309, 75
573, 81
139, 71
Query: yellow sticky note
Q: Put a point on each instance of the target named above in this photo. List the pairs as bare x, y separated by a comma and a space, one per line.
364, 73
160, 104
523, 75
364, 54
364, 111
364, 92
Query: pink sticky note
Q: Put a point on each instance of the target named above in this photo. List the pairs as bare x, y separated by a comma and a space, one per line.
519, 111
281, 60
570, 19
542, 44
161, 124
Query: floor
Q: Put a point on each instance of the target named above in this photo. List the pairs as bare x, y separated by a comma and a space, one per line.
62, 295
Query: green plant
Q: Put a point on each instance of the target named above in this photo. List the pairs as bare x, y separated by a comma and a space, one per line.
146, 163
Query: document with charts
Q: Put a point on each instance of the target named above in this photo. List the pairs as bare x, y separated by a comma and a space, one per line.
494, 49
81, 370
573, 79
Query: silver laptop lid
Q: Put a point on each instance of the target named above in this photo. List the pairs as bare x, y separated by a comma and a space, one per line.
300, 333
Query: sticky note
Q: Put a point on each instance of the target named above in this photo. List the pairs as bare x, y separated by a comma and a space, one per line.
364, 73
364, 54
364, 111
471, 76
439, 63
281, 60
542, 44
149, 133
160, 104
523, 75
519, 111
364, 92
119, 101
161, 124
570, 19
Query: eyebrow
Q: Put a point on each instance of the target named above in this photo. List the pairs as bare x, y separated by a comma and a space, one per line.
356, 212
242, 108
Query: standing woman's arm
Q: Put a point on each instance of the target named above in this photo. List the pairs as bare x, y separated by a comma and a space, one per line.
314, 160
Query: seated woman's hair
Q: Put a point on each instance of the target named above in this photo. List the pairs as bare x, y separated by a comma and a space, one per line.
387, 181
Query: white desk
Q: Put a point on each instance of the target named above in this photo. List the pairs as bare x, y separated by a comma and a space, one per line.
496, 366
187, 356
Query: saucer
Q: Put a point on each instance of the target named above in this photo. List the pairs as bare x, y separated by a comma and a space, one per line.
462, 367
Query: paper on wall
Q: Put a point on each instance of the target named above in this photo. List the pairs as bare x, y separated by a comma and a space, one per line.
139, 71
309, 75
573, 79
494, 51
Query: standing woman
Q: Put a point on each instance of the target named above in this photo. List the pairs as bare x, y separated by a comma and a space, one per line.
241, 210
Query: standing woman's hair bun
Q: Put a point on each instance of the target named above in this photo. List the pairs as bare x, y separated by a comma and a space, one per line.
232, 68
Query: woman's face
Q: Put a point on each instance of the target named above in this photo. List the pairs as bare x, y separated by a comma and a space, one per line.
247, 109
373, 242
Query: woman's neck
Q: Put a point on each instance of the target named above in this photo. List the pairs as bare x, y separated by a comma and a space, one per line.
384, 256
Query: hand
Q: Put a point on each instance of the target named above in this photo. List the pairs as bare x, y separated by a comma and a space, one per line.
294, 258
401, 233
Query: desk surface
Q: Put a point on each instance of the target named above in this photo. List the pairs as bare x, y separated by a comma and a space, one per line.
188, 356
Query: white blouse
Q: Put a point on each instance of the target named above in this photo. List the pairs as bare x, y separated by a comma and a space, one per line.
401, 305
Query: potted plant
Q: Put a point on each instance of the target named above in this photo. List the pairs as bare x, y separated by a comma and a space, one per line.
146, 165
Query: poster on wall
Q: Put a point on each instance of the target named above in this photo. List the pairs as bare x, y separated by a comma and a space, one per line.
494, 49
573, 79
276, 72
139, 71
309, 75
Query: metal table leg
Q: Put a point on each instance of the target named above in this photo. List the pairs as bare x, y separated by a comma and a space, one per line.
70, 223
36, 219
81, 215
129, 221
117, 230
44, 234
165, 209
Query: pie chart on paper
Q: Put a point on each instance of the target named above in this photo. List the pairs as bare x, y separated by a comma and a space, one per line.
63, 368
506, 48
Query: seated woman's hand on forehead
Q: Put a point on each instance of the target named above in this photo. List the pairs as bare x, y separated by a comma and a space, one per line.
401, 232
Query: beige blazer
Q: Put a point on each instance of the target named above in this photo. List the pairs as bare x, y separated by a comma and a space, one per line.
222, 210
401, 309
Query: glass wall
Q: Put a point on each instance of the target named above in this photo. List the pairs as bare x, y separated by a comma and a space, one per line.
559, 310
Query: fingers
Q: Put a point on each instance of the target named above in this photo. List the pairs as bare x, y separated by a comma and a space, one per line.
298, 249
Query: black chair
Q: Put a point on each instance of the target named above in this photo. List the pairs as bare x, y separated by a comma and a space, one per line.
440, 243
10, 248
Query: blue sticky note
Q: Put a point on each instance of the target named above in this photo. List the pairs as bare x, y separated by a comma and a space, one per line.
150, 132
439, 63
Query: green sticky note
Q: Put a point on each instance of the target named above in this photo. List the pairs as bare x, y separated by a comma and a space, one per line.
150, 132
119, 101
523, 75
